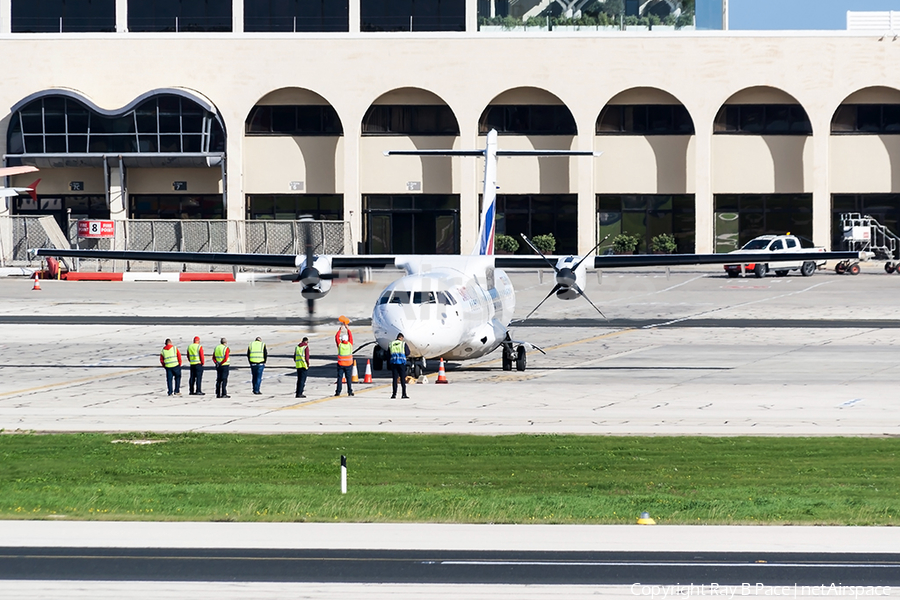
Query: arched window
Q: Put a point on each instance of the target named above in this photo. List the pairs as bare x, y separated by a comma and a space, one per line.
165, 123
528, 119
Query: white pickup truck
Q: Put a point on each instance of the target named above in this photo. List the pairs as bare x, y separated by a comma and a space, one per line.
781, 244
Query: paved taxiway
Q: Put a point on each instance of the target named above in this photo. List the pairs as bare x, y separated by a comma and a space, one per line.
684, 353
688, 353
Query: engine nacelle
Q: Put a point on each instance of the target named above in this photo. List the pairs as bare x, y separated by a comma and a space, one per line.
570, 279
316, 278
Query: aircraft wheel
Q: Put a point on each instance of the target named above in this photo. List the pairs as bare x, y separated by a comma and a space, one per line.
853, 270
507, 359
760, 270
417, 370
378, 358
808, 268
521, 361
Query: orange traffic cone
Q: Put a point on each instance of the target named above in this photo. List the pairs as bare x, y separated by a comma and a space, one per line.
368, 376
37, 283
354, 374
442, 375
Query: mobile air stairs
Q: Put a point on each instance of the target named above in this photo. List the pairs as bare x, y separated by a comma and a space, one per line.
862, 233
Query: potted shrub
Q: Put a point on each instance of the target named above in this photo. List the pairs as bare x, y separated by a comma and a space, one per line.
505, 244
663, 243
625, 243
545, 243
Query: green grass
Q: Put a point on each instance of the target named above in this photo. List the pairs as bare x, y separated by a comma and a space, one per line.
458, 479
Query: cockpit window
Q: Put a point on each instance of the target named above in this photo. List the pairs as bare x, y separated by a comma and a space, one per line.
384, 298
445, 298
399, 297
424, 298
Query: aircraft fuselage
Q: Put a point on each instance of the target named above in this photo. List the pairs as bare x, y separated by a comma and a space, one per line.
446, 312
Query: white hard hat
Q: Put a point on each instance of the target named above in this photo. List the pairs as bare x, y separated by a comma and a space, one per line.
343, 337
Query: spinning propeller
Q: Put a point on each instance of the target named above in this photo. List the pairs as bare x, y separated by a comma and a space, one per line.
566, 278
310, 275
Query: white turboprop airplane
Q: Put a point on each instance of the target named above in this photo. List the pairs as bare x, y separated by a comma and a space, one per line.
10, 192
454, 307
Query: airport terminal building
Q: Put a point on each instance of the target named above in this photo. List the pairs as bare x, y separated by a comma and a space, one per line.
236, 112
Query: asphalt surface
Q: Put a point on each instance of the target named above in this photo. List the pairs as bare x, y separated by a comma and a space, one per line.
685, 352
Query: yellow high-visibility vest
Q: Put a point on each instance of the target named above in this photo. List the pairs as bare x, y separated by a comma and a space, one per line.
194, 354
219, 355
300, 357
170, 357
255, 352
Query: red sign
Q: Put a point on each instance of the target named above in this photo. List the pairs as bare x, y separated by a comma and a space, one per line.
96, 229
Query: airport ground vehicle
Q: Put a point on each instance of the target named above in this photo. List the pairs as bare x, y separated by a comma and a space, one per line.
781, 244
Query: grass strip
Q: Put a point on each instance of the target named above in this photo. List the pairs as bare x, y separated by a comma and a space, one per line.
450, 478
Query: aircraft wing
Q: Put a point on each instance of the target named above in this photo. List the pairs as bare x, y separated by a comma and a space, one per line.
7, 171
219, 258
671, 260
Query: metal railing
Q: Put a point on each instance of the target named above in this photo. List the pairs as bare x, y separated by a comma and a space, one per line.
18, 234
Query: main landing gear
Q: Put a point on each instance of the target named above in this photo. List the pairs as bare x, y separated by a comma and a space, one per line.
513, 355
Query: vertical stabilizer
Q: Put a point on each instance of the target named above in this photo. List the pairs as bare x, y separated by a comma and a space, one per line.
485, 244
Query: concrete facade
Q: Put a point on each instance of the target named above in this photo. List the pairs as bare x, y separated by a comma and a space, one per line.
470, 71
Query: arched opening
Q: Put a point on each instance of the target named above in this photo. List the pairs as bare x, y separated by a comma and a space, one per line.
535, 195
646, 135
292, 148
411, 204
865, 158
761, 175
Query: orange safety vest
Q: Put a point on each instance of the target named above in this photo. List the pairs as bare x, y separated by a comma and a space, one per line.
345, 354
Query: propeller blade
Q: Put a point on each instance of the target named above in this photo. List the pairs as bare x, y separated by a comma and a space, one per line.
555, 289
583, 295
535, 248
583, 258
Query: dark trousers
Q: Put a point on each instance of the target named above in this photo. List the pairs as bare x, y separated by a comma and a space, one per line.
341, 373
173, 373
221, 380
301, 380
194, 382
256, 371
398, 372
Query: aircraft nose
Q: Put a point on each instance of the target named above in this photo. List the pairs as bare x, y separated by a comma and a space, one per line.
426, 335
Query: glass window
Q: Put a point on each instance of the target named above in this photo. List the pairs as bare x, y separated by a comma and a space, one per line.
752, 215
59, 16
179, 15
651, 119
527, 120
866, 119
762, 119
293, 120
412, 15
410, 120
399, 297
74, 129
647, 216
296, 15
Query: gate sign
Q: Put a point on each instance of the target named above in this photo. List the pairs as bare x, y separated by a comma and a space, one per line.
96, 229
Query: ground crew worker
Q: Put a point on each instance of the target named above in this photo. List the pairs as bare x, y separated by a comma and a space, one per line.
399, 358
221, 356
343, 339
301, 361
170, 359
257, 354
196, 360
